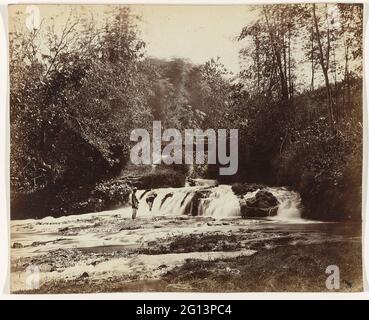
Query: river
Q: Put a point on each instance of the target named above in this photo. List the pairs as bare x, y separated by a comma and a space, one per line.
109, 251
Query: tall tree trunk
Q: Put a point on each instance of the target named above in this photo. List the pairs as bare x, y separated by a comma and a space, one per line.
285, 60
277, 54
312, 60
324, 69
258, 64
327, 53
346, 93
334, 71
289, 65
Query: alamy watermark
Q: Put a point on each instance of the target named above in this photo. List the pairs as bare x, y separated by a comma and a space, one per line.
333, 280
32, 18
33, 277
189, 149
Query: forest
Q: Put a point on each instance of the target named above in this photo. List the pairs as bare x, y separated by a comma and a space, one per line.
77, 92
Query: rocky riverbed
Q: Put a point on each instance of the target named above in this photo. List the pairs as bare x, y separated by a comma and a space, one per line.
109, 252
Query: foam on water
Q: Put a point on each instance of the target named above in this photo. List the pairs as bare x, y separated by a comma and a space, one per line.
216, 201
221, 203
290, 204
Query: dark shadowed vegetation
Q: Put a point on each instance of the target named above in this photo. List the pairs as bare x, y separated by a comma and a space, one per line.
76, 94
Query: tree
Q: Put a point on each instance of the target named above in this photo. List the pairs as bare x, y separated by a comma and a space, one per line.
324, 61
351, 23
272, 62
74, 100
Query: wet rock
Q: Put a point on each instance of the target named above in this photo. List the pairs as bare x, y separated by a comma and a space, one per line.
39, 243
193, 206
263, 204
182, 218
94, 263
240, 189
17, 245
169, 195
201, 182
130, 227
85, 275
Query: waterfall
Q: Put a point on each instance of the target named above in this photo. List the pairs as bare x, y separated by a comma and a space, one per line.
221, 203
290, 203
168, 201
218, 201
209, 200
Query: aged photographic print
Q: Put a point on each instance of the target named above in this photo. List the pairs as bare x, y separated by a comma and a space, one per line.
186, 148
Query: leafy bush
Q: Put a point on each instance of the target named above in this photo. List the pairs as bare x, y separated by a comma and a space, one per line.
325, 167
111, 193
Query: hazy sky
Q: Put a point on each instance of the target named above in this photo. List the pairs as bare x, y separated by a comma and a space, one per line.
197, 33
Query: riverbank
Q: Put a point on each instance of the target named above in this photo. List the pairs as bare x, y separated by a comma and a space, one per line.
104, 195
108, 252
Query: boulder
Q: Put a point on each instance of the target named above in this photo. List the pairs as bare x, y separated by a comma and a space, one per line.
191, 182
263, 204
17, 245
243, 188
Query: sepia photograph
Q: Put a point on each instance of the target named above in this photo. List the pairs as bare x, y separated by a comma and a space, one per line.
186, 148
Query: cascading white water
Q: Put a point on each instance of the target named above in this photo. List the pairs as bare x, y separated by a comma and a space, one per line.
290, 203
169, 201
216, 201
289, 207
221, 203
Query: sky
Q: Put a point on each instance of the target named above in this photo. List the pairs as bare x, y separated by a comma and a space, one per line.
196, 33
193, 32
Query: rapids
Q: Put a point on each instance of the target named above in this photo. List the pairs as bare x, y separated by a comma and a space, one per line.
215, 201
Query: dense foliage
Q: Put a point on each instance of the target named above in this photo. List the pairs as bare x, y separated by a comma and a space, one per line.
308, 137
72, 107
77, 93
